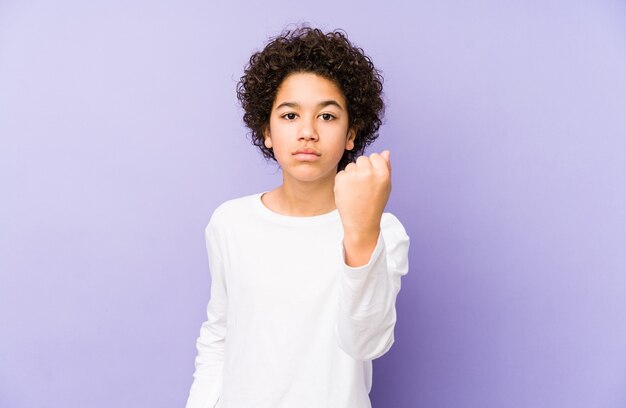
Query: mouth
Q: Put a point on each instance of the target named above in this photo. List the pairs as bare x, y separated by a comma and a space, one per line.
306, 155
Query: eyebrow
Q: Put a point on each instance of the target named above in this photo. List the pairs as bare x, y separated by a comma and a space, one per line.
322, 104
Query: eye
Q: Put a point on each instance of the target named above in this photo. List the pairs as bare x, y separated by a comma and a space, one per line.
327, 116
289, 116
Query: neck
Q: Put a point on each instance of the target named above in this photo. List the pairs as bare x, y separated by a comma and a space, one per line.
301, 199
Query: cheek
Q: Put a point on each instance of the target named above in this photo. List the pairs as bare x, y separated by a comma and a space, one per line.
340, 137
279, 145
279, 151
273, 136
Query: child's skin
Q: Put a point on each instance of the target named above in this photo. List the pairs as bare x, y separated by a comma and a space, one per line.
308, 132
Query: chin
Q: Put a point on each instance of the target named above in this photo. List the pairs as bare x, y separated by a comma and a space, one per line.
310, 175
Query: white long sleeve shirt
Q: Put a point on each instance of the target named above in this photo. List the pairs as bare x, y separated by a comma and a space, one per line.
289, 323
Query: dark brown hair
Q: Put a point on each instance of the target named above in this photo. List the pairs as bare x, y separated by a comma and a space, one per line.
329, 55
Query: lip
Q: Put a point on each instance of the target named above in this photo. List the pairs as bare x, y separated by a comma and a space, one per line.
306, 154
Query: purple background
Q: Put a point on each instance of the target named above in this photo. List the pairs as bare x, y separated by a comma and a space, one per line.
120, 133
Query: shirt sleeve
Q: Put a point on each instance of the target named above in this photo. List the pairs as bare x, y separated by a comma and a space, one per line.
367, 312
207, 378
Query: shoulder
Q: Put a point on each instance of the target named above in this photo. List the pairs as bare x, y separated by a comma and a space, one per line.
231, 210
390, 222
397, 243
392, 229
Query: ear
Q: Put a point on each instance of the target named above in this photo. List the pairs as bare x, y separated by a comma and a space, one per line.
267, 138
350, 138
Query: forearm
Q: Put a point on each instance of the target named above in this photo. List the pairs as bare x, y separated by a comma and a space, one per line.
367, 307
368, 291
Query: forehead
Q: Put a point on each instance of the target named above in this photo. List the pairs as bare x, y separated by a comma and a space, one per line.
308, 88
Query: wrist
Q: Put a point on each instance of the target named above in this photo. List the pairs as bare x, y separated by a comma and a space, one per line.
361, 237
359, 246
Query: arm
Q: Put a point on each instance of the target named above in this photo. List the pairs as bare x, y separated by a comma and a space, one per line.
367, 313
207, 384
362, 190
375, 258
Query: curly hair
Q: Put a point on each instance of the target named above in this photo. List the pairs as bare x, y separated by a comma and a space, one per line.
329, 55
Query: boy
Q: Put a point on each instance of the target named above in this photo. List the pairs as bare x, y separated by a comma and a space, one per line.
304, 277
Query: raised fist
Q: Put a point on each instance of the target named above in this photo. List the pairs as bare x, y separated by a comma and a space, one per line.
361, 194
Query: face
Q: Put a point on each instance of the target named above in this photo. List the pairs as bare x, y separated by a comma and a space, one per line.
308, 128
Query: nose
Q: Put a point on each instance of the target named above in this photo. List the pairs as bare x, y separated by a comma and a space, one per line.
307, 131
